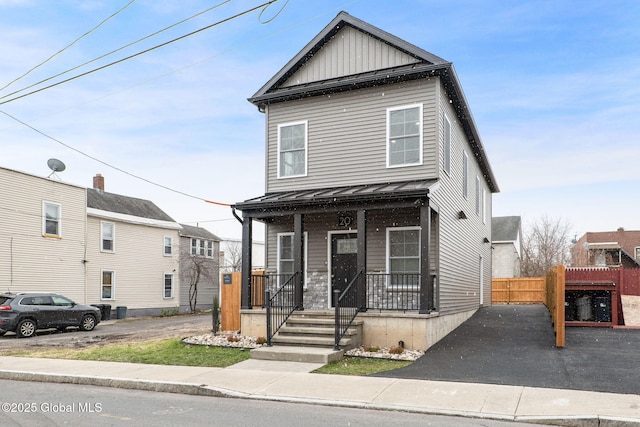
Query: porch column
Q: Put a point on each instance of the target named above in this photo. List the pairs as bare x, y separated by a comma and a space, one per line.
247, 237
426, 287
298, 259
362, 259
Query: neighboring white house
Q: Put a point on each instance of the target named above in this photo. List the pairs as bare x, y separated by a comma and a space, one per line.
42, 236
506, 243
231, 255
133, 253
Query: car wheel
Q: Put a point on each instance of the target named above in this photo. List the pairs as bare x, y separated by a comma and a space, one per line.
26, 328
88, 323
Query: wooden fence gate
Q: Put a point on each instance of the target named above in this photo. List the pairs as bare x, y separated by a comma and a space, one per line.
519, 290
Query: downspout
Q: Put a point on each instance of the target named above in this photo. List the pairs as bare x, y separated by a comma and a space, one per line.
233, 211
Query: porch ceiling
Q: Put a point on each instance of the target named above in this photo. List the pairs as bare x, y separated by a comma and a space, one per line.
366, 194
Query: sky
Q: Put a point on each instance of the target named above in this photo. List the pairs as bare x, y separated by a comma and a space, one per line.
553, 86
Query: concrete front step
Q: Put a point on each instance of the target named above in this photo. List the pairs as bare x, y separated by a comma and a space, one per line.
310, 341
297, 354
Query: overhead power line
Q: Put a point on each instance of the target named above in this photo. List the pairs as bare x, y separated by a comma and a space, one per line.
266, 4
113, 51
68, 46
110, 165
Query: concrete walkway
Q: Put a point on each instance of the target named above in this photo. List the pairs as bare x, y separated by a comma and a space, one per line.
293, 382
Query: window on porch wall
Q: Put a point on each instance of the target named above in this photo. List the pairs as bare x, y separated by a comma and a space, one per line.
286, 262
403, 263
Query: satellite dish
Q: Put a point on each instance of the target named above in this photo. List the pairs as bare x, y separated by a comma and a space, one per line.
56, 166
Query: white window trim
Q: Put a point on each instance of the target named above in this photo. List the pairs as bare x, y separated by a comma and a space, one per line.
113, 237
113, 284
484, 205
44, 219
304, 256
164, 246
388, 254
447, 146
306, 149
465, 175
200, 243
173, 285
421, 149
478, 196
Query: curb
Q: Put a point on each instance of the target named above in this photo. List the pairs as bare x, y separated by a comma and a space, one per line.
205, 390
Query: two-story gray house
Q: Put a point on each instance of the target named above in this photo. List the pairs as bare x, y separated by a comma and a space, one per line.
378, 191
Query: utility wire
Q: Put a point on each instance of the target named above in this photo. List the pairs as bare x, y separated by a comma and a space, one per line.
113, 51
68, 46
143, 52
110, 165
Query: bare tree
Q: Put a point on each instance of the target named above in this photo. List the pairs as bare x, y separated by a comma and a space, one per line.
233, 256
545, 243
196, 269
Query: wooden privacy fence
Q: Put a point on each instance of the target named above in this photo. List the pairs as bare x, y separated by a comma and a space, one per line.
554, 283
518, 290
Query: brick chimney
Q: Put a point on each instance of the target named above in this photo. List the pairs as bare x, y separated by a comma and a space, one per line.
98, 182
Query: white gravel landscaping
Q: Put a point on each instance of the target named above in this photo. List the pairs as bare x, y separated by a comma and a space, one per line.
233, 339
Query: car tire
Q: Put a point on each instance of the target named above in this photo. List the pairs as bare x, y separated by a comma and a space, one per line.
26, 328
88, 322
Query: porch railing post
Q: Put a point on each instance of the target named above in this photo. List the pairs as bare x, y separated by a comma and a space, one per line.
426, 287
267, 296
336, 299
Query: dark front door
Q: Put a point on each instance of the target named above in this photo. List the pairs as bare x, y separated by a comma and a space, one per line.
344, 261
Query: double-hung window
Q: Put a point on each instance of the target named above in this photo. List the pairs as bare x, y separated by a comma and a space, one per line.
107, 232
108, 284
404, 136
403, 256
286, 261
292, 150
168, 285
168, 246
200, 247
51, 215
465, 174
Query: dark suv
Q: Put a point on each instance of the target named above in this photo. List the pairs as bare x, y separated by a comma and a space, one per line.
24, 313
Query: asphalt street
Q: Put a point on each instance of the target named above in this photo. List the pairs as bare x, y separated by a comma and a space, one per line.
515, 345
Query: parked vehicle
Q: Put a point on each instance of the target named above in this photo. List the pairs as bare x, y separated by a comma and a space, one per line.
26, 312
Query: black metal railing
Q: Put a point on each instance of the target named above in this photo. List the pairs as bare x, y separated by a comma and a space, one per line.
347, 307
281, 304
393, 291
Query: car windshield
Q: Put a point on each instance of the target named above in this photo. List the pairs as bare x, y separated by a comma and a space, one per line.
3, 300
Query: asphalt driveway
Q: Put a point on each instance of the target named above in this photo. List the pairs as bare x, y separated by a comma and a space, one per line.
515, 345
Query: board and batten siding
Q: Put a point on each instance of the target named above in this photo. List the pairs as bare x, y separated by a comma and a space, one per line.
347, 136
29, 261
349, 52
461, 240
138, 262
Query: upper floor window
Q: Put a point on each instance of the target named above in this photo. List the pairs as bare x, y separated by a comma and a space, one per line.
292, 150
477, 195
484, 206
51, 215
465, 174
107, 236
404, 136
168, 245
200, 247
447, 145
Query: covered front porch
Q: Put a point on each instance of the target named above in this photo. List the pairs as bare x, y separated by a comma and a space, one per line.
351, 250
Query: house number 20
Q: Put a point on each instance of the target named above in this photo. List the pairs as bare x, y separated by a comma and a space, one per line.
345, 221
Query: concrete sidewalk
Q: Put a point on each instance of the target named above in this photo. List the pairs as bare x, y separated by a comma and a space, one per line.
293, 382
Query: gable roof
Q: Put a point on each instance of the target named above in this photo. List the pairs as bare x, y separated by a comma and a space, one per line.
131, 206
415, 63
197, 232
505, 228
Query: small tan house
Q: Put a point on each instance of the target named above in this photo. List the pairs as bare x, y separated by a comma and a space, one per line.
42, 236
378, 192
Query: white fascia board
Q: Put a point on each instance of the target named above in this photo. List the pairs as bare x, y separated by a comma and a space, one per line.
133, 219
